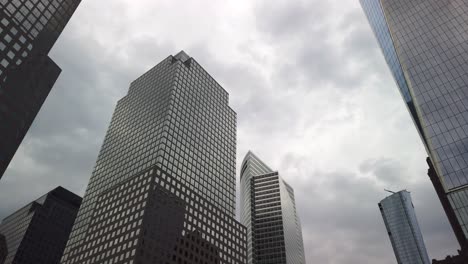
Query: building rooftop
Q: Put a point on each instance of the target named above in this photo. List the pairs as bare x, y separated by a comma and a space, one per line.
182, 56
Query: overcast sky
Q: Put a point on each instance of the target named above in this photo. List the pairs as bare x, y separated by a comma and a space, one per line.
313, 95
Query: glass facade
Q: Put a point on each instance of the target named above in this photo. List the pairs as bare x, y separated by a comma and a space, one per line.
38, 232
154, 218
429, 39
376, 18
268, 211
28, 30
403, 229
174, 120
293, 241
251, 165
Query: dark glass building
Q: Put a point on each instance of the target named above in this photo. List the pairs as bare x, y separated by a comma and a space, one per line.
28, 30
403, 229
425, 46
163, 187
3, 249
268, 210
38, 232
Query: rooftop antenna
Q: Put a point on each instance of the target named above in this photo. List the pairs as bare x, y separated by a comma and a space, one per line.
389, 191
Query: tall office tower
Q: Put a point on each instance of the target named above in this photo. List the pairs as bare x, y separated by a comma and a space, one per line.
268, 210
163, 188
28, 30
3, 249
38, 232
424, 44
403, 229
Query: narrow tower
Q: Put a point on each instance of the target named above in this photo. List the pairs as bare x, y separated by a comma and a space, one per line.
403, 229
268, 210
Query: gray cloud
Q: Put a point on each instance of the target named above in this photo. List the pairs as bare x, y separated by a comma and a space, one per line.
319, 48
386, 170
288, 20
313, 95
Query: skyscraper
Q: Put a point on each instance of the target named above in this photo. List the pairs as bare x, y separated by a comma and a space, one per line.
403, 229
163, 187
268, 210
424, 44
38, 232
28, 30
